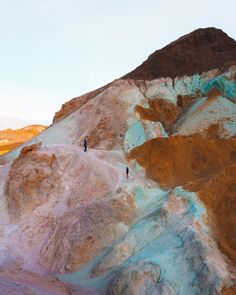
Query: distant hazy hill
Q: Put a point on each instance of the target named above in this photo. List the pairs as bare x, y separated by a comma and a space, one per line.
9, 139
16, 123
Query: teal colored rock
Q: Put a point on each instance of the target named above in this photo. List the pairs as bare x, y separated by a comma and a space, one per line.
225, 86
134, 136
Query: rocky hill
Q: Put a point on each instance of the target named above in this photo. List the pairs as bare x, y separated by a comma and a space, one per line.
73, 223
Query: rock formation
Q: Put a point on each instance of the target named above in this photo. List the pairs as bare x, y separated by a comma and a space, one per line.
72, 222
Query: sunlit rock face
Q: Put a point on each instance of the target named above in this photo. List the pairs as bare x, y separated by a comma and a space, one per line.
10, 139
72, 222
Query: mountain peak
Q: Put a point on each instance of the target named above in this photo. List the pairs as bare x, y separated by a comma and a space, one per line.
199, 51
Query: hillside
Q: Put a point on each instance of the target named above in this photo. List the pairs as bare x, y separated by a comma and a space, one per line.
74, 223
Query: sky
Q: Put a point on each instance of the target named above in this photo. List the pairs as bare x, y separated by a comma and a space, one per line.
54, 50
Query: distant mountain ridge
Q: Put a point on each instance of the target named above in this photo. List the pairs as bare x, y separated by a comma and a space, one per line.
16, 123
10, 139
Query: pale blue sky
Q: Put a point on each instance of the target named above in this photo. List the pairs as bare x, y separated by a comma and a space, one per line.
53, 50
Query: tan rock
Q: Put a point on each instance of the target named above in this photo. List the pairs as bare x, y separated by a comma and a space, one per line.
31, 181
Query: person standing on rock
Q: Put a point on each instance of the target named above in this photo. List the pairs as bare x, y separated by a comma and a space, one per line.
127, 172
85, 145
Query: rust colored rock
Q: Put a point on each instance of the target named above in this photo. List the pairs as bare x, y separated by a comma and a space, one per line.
213, 93
219, 195
229, 291
177, 160
160, 110
213, 131
203, 165
197, 52
164, 111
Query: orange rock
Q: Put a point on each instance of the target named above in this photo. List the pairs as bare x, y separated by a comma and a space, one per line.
160, 110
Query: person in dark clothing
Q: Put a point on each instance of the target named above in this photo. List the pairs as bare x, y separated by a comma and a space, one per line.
85, 145
127, 172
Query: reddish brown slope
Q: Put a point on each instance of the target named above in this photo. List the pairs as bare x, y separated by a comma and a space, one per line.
197, 52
